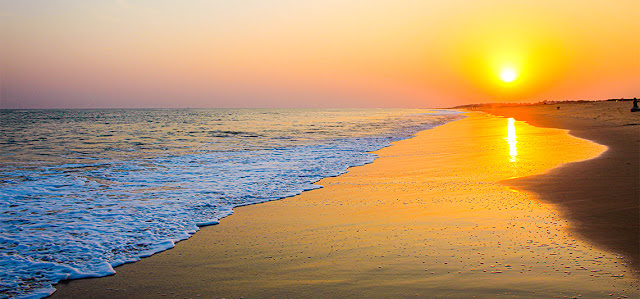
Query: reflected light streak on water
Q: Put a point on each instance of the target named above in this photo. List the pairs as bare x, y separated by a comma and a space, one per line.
512, 141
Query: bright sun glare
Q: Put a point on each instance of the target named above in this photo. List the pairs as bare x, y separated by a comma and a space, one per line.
508, 75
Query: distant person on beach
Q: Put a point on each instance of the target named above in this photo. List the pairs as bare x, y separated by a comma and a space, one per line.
635, 105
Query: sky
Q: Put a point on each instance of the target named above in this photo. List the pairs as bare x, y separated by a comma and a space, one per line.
315, 54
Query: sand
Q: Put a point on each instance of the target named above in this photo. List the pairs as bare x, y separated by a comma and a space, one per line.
429, 218
603, 200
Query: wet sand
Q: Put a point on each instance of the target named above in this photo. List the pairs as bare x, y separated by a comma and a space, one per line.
603, 200
428, 218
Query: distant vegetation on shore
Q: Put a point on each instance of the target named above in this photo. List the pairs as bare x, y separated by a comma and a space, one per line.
484, 105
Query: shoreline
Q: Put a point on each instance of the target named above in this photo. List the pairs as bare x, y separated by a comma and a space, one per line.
262, 232
121, 212
604, 208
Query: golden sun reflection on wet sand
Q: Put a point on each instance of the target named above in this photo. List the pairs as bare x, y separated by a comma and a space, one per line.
511, 139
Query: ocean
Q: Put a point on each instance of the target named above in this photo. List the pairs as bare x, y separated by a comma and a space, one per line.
83, 191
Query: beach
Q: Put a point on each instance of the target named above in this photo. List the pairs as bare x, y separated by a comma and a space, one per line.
485, 206
601, 196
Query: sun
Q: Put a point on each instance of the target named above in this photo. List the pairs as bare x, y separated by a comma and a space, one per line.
508, 75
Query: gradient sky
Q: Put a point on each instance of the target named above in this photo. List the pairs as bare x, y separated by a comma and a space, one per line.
241, 53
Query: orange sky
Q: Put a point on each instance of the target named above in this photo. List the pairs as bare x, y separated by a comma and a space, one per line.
83, 54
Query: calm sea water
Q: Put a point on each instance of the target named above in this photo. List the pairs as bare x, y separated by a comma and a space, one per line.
82, 191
